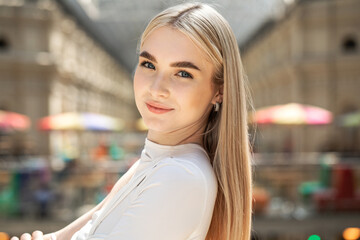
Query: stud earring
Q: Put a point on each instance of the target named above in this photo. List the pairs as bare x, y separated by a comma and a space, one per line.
216, 107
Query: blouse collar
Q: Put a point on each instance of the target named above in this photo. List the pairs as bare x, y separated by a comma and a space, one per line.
154, 150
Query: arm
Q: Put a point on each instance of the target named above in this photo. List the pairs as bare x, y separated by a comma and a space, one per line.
67, 232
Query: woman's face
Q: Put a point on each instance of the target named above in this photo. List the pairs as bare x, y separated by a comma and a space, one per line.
173, 82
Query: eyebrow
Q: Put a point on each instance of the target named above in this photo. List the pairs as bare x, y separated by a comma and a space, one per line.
147, 55
181, 64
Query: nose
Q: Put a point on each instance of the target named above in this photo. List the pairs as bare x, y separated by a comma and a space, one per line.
159, 87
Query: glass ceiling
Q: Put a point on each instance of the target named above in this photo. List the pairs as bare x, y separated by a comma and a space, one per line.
119, 23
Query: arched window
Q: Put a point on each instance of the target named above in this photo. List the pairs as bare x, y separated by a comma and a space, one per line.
349, 44
4, 44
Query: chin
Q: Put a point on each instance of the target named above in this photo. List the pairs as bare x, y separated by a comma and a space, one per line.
155, 125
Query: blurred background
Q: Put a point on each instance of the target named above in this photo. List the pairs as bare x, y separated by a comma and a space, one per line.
69, 127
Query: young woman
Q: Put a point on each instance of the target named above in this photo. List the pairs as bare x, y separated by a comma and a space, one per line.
193, 180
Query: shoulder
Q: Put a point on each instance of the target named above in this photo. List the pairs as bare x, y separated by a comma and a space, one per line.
188, 170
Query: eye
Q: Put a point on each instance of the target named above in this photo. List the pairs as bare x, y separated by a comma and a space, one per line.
184, 74
147, 65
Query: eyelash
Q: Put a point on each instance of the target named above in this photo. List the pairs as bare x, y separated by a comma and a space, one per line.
144, 63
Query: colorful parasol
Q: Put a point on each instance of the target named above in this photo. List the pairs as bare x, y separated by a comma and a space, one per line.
98, 122
80, 121
292, 113
349, 119
10, 121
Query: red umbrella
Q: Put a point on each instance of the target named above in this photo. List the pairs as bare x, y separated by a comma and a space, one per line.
13, 121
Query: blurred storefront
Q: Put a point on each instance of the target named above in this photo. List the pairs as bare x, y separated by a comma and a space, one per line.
51, 64
307, 173
308, 55
77, 100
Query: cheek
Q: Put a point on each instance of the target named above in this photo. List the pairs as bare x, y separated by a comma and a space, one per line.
200, 100
138, 86
138, 83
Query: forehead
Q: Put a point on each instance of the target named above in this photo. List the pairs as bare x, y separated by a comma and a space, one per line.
171, 44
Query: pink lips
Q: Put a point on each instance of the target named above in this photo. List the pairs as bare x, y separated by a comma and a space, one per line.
157, 108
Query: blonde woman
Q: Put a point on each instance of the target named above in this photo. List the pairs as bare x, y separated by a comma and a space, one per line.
193, 180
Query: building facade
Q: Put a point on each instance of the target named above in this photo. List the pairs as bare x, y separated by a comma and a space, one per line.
50, 65
310, 55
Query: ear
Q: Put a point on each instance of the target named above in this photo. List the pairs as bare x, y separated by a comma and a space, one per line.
218, 95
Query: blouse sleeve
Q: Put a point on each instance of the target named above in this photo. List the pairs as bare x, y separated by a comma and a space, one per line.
169, 206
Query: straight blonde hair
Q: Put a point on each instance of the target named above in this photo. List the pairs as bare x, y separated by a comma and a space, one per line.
226, 135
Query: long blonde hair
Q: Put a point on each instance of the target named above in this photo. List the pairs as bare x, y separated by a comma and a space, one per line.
226, 136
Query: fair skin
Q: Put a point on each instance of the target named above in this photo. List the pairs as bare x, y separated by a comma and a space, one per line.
173, 74
173, 93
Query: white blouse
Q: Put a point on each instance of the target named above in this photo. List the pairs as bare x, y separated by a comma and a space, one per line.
171, 196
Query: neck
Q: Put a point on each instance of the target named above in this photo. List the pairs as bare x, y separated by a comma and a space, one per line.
190, 134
